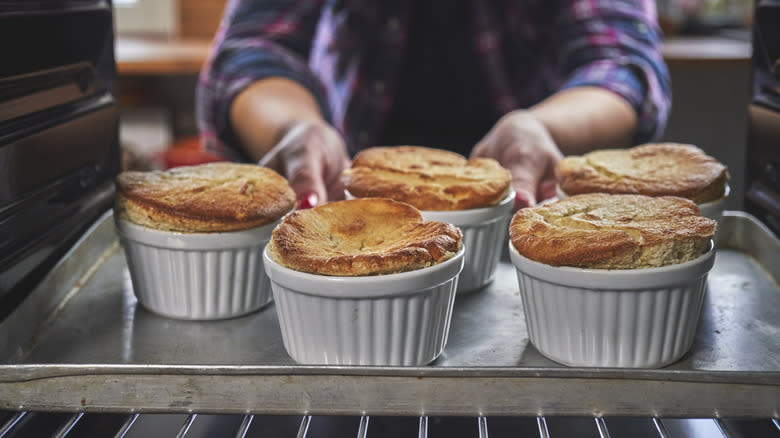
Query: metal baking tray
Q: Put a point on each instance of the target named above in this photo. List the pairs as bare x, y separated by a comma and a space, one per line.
80, 342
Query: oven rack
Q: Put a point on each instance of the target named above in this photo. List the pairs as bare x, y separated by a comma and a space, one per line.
80, 425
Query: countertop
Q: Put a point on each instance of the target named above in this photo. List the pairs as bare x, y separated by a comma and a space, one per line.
159, 56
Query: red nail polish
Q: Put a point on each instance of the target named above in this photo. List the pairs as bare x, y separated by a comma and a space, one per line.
307, 200
521, 201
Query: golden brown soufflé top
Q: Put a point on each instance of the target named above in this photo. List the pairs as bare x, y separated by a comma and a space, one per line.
653, 169
214, 197
361, 237
605, 231
429, 179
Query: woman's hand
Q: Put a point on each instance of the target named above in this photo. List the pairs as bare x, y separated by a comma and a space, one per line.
311, 155
279, 123
522, 144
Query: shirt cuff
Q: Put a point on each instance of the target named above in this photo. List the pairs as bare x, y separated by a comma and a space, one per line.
636, 82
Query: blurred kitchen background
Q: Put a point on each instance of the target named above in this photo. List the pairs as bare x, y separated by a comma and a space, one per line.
161, 45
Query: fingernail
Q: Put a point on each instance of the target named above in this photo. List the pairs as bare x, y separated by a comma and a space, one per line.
522, 201
307, 200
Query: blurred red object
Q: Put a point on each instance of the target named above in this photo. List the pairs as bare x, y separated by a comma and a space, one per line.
307, 200
187, 151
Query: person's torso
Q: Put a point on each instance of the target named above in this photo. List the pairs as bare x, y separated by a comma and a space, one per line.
432, 72
442, 98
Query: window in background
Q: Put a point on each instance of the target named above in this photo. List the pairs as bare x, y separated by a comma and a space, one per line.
703, 16
147, 17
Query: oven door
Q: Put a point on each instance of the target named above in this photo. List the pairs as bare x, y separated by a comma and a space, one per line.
59, 146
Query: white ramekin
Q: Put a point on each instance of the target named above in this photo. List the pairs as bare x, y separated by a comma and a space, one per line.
391, 320
485, 232
634, 318
197, 276
714, 209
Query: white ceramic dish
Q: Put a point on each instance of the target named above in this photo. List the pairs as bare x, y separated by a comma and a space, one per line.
197, 276
714, 209
391, 320
635, 318
485, 232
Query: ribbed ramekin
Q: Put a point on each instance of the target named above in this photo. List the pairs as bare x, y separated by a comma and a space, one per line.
485, 232
714, 209
197, 276
635, 318
391, 320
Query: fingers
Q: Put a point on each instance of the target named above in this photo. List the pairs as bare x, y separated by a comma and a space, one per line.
522, 144
289, 158
533, 180
521, 201
524, 183
309, 190
546, 189
335, 184
479, 149
311, 156
307, 183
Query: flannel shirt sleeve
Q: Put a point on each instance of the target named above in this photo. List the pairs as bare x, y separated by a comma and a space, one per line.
616, 44
256, 39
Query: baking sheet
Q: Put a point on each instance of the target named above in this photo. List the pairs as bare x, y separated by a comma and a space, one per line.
82, 343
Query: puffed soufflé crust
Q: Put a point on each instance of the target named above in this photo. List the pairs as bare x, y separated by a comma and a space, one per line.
604, 231
653, 169
361, 237
429, 179
212, 197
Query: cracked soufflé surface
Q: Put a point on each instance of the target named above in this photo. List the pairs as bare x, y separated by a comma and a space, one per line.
212, 197
604, 231
429, 179
359, 237
654, 169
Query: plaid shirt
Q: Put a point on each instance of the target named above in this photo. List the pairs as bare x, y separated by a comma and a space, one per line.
348, 55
